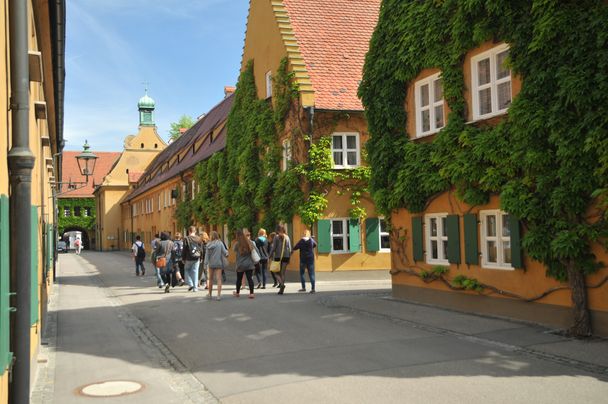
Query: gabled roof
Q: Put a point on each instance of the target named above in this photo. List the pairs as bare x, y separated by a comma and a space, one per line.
188, 146
71, 172
332, 38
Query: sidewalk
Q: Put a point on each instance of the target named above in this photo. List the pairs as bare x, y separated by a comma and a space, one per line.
86, 344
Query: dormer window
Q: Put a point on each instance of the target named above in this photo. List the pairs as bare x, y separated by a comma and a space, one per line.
491, 81
142, 146
429, 105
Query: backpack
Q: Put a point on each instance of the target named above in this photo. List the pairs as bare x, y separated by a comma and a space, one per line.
141, 252
193, 251
177, 251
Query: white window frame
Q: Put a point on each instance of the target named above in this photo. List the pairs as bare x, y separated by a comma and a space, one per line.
268, 81
430, 81
440, 238
345, 236
287, 156
345, 150
499, 239
193, 189
382, 233
493, 84
159, 201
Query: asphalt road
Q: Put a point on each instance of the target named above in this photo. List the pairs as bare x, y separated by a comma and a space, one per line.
348, 343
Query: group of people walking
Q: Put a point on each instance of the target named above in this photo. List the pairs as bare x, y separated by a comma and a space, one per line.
199, 260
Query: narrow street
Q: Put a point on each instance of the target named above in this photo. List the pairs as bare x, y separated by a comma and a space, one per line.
348, 343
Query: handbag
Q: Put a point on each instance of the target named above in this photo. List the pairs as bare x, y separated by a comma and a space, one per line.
254, 255
275, 266
161, 262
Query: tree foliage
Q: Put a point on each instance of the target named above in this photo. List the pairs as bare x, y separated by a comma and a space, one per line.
184, 122
547, 159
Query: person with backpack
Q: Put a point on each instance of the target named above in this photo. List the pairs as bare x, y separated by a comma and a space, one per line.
177, 262
215, 255
139, 255
202, 273
262, 244
162, 253
306, 246
192, 254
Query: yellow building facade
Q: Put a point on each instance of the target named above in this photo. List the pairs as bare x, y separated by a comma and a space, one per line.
139, 150
40, 23
327, 69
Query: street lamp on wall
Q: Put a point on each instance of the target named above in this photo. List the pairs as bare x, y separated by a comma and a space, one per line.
86, 165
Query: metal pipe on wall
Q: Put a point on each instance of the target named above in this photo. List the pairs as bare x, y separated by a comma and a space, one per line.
21, 163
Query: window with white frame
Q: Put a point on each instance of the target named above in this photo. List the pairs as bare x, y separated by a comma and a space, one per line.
495, 239
436, 238
385, 237
491, 80
286, 154
268, 79
430, 114
67, 212
340, 236
345, 150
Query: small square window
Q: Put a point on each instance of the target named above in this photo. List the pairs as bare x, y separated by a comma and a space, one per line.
346, 151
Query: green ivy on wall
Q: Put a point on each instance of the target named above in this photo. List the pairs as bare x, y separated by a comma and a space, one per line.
84, 222
547, 159
244, 185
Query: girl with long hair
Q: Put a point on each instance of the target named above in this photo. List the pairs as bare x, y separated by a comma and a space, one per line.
244, 262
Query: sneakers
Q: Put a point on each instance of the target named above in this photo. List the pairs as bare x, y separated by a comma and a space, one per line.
259, 286
161, 285
218, 298
167, 287
190, 288
181, 282
312, 291
281, 289
263, 287
302, 290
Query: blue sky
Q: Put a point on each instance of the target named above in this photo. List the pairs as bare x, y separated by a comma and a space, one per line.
187, 50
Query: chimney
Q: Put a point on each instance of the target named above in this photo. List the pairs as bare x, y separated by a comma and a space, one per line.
228, 90
182, 130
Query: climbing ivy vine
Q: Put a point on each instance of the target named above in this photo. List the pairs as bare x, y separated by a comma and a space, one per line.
547, 159
82, 221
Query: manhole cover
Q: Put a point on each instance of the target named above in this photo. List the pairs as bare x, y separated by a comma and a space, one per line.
111, 388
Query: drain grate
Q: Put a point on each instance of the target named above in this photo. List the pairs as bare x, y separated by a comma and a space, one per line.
112, 388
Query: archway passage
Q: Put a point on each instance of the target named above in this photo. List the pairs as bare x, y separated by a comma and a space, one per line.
86, 243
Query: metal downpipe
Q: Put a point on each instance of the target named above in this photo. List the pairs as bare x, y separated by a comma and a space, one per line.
21, 162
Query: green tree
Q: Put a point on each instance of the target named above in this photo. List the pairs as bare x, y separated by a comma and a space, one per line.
185, 122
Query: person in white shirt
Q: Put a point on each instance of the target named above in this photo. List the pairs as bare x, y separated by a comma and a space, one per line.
139, 255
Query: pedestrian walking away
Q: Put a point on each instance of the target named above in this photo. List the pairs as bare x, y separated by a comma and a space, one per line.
306, 245
280, 251
245, 250
139, 256
177, 262
215, 255
192, 255
202, 273
163, 265
260, 269
271, 237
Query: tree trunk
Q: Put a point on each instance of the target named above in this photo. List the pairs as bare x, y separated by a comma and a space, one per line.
578, 288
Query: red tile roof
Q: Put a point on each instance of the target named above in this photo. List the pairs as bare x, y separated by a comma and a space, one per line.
71, 172
333, 37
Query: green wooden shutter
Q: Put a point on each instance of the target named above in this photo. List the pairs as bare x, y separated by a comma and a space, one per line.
453, 224
324, 236
354, 229
372, 234
34, 258
5, 355
516, 254
471, 239
417, 238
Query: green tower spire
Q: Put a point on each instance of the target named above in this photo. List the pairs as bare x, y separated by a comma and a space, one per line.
146, 110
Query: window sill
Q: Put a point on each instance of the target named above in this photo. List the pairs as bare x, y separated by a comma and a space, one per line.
343, 252
384, 250
427, 134
438, 262
488, 116
496, 266
345, 167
